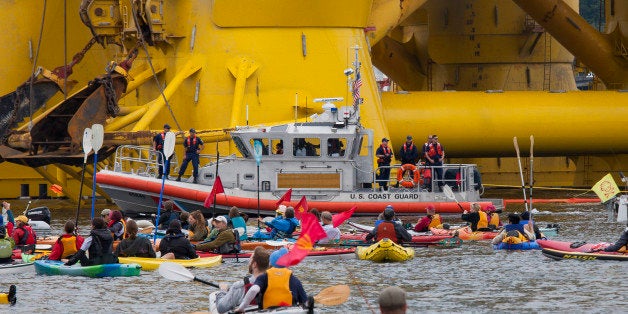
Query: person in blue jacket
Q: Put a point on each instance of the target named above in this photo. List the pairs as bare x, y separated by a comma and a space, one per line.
281, 227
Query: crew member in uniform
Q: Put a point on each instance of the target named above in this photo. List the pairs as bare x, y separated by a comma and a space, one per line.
192, 146
434, 158
409, 153
158, 145
384, 155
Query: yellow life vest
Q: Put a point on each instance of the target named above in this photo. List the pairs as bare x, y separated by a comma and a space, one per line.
69, 246
278, 290
4, 298
435, 221
520, 238
483, 222
494, 219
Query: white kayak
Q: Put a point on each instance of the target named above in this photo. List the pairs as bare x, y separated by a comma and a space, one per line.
254, 309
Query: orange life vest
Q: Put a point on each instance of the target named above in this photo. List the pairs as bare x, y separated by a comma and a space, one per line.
483, 222
520, 238
438, 150
278, 291
494, 220
69, 246
436, 221
386, 229
163, 138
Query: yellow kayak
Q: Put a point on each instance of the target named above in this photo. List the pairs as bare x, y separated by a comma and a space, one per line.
385, 251
150, 264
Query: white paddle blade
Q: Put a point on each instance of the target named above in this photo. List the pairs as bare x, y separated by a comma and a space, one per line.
175, 272
87, 143
169, 142
448, 192
98, 135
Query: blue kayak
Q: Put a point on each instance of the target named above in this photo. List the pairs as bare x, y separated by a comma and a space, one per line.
49, 267
530, 245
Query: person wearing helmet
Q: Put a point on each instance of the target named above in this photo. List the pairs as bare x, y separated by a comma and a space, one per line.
193, 146
389, 229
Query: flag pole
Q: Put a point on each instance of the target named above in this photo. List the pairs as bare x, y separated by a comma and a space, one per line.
217, 159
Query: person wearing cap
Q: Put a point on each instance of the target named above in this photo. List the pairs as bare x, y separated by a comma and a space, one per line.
134, 246
192, 146
232, 295
6, 246
384, 156
281, 227
198, 226
392, 300
101, 252
23, 234
389, 229
67, 244
409, 153
434, 155
431, 220
225, 240
167, 216
493, 217
333, 233
158, 145
277, 287
175, 245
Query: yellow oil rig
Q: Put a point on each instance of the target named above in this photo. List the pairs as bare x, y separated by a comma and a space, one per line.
475, 72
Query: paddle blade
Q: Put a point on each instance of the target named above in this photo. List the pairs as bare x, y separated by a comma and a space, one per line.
87, 143
98, 135
176, 272
334, 295
449, 193
169, 142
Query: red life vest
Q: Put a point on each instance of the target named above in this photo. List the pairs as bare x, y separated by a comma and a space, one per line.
435, 150
386, 229
247, 285
163, 138
187, 141
387, 151
406, 147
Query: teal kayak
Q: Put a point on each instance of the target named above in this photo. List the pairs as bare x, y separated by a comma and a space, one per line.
48, 267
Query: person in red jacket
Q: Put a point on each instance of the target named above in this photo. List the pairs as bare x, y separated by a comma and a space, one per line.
23, 234
67, 244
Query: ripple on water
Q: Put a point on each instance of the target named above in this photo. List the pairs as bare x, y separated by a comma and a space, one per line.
472, 278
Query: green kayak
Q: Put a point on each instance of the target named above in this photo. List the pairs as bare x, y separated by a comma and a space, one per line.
48, 267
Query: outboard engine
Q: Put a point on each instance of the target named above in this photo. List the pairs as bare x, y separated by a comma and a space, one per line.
39, 213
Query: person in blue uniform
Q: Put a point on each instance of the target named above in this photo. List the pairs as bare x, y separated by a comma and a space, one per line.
158, 145
384, 155
192, 146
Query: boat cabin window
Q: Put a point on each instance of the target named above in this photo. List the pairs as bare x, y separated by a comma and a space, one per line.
336, 147
306, 147
264, 145
277, 145
241, 147
364, 145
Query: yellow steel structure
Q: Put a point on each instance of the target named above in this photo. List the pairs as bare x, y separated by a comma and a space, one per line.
217, 60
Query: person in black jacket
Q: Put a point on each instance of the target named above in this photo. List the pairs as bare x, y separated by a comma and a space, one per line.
175, 244
621, 243
409, 153
384, 155
99, 244
134, 245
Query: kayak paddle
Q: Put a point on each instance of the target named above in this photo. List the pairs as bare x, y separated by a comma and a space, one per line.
334, 295
176, 272
450, 195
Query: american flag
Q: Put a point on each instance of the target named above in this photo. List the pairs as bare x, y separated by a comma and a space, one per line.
357, 83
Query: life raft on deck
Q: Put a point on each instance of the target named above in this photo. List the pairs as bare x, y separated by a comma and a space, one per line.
385, 251
411, 180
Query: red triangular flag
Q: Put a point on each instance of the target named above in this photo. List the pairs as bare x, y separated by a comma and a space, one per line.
286, 197
338, 219
216, 189
300, 208
311, 231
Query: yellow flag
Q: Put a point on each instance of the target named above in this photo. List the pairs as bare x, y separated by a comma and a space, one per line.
606, 188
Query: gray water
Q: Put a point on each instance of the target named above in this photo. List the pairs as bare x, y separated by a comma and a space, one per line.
472, 278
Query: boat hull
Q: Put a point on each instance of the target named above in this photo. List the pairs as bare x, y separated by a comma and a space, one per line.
139, 194
582, 256
530, 245
384, 251
151, 264
48, 267
15, 268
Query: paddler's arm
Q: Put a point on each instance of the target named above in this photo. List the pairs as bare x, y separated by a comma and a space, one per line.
248, 297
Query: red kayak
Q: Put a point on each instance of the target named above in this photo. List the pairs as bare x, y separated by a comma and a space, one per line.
315, 254
571, 246
417, 239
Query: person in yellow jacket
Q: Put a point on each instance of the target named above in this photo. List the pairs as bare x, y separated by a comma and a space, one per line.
10, 297
431, 220
277, 287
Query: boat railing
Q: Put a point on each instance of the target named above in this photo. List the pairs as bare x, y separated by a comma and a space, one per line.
205, 160
142, 160
431, 178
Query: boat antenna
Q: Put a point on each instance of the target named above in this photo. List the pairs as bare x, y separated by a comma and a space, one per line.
247, 115
357, 82
296, 106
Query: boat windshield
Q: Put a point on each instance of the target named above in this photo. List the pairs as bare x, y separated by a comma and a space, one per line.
241, 147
